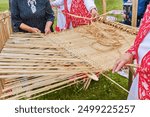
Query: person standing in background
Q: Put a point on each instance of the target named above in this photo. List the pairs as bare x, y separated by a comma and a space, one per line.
85, 9
61, 21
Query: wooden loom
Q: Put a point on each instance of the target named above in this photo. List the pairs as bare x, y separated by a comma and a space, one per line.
32, 65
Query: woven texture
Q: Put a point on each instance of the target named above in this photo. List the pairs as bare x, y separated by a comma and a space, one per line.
32, 65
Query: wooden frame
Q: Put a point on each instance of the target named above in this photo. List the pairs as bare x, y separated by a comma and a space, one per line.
6, 30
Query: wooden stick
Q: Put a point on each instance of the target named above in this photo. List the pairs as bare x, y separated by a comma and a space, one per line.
104, 6
32, 92
33, 51
19, 82
41, 71
134, 12
41, 58
115, 83
132, 65
1, 86
87, 84
11, 76
3, 68
70, 84
21, 60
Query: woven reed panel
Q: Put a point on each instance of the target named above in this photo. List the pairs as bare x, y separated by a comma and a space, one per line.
32, 65
98, 44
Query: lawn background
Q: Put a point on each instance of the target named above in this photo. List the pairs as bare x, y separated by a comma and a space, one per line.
4, 5
101, 90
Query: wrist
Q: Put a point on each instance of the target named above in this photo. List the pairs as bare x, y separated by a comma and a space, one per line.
30, 29
93, 8
129, 56
48, 24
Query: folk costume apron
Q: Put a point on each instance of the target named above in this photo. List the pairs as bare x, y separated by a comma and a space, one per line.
77, 9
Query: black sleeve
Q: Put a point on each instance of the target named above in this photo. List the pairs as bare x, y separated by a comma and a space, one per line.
15, 15
49, 12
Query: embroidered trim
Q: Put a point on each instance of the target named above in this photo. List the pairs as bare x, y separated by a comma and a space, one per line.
32, 4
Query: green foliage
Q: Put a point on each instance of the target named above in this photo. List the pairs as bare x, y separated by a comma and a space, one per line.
111, 5
4, 5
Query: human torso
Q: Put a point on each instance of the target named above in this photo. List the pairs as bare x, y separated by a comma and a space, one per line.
32, 13
144, 48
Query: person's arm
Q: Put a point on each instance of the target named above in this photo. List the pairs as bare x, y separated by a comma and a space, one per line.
28, 28
126, 58
57, 3
49, 17
91, 7
16, 20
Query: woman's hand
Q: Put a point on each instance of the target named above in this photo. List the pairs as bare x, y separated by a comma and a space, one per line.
127, 58
94, 13
35, 30
29, 29
47, 30
47, 27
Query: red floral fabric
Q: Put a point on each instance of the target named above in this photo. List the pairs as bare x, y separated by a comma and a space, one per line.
144, 69
78, 9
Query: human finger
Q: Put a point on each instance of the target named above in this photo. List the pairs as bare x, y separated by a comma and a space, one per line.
115, 65
120, 65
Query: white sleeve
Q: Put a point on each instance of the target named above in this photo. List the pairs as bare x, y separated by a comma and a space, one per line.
57, 3
89, 4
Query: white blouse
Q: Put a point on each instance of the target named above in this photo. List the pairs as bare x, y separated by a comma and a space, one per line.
88, 3
61, 20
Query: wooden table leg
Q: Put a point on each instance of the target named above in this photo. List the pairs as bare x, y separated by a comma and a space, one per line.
131, 73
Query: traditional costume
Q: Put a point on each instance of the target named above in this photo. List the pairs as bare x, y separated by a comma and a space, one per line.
73, 9
61, 20
140, 88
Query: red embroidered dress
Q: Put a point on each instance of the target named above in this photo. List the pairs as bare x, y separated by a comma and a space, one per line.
77, 9
144, 69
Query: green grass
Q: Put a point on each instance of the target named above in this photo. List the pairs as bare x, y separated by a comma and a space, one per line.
101, 90
4, 5
111, 5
